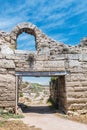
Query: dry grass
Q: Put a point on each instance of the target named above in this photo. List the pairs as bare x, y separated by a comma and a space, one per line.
80, 118
15, 125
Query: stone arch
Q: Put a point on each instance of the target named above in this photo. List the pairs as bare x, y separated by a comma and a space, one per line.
28, 28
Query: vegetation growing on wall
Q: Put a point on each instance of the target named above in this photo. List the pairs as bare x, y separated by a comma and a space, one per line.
53, 79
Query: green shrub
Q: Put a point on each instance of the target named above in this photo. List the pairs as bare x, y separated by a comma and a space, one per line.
21, 94
53, 79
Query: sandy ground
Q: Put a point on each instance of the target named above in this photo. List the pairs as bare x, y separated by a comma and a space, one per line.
43, 117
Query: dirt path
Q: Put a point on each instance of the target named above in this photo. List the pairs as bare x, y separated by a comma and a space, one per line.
43, 117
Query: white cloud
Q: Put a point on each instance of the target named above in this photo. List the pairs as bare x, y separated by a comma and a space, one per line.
48, 15
26, 42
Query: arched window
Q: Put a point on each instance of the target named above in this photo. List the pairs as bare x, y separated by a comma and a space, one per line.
26, 42
24, 37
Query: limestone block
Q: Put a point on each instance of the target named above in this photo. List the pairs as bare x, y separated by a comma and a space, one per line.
73, 56
7, 97
13, 36
2, 56
69, 89
78, 77
13, 42
84, 83
11, 71
80, 57
76, 95
3, 71
15, 30
76, 69
7, 78
26, 25
54, 64
7, 63
74, 63
79, 100
68, 78
42, 58
7, 38
57, 69
7, 104
39, 64
21, 52
80, 89
6, 50
84, 66
58, 57
76, 106
74, 84
44, 51
83, 111
84, 57
21, 69
6, 87
11, 57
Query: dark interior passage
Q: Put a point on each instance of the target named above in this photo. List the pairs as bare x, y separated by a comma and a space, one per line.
58, 92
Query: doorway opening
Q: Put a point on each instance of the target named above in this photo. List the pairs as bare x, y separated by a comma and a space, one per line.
34, 94
34, 91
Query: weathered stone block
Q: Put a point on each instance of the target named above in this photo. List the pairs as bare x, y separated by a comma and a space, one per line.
7, 78
74, 63
76, 106
73, 56
7, 63
79, 100
6, 50
7, 104
54, 64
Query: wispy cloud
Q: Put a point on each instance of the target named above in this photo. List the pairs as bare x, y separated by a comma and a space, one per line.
53, 17
26, 42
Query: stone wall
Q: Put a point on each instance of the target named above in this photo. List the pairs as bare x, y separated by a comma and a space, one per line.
50, 56
76, 84
58, 93
7, 83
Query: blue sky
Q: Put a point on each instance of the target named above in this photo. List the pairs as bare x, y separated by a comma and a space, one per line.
63, 20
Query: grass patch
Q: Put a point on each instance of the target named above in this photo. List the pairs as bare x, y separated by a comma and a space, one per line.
16, 125
6, 115
9, 115
1, 123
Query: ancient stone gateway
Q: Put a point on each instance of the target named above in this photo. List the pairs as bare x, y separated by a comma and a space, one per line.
51, 58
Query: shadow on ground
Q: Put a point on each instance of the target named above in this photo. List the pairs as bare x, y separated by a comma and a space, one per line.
37, 109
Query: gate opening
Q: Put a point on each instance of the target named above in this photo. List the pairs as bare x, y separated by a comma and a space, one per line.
32, 94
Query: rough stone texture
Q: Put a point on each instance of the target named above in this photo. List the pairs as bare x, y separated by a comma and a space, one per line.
50, 56
58, 93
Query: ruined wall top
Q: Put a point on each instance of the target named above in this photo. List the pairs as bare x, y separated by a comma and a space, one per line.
42, 41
